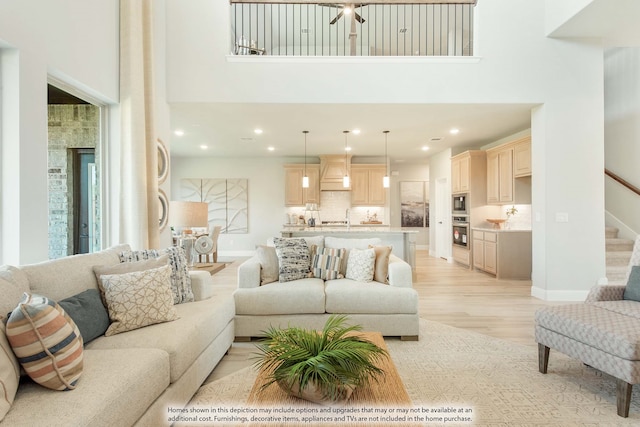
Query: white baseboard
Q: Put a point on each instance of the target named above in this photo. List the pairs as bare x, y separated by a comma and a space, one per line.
423, 248
560, 295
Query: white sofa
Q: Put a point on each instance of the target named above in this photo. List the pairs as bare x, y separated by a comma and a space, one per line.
391, 309
132, 377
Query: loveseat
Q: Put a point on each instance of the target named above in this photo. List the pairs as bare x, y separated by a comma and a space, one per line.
603, 332
390, 308
130, 378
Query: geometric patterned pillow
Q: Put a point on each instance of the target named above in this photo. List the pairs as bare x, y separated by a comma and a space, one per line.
47, 342
360, 265
326, 265
180, 279
293, 259
138, 299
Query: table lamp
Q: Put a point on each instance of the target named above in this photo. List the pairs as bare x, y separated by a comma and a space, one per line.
184, 216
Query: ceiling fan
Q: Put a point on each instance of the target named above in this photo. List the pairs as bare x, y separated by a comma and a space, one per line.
345, 9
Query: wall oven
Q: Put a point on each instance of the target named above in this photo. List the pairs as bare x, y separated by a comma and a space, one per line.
459, 204
460, 231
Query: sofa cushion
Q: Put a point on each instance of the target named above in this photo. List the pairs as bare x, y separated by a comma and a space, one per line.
138, 299
268, 264
326, 264
360, 265
381, 269
65, 277
348, 244
180, 279
345, 296
184, 339
47, 342
298, 297
601, 325
116, 389
293, 259
88, 313
632, 290
13, 284
9, 373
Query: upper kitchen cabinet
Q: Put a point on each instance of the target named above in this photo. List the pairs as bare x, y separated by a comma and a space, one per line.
366, 185
294, 194
332, 170
466, 170
505, 163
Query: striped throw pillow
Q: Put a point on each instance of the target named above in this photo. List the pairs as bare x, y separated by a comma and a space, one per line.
326, 264
47, 342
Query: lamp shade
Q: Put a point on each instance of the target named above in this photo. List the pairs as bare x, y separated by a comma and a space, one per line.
188, 214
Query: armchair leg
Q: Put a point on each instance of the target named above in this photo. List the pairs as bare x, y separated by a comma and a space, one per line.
623, 397
543, 358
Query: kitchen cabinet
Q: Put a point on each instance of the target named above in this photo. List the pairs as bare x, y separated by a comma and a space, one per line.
503, 253
332, 170
460, 173
500, 175
467, 170
366, 185
294, 194
522, 158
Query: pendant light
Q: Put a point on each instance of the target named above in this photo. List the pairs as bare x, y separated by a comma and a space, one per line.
385, 180
345, 181
305, 178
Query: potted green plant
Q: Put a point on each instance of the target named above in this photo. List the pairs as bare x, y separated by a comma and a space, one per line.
319, 366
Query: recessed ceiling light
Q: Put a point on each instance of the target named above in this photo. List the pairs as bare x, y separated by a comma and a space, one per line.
271, 148
204, 147
425, 148
178, 132
454, 131
356, 131
257, 131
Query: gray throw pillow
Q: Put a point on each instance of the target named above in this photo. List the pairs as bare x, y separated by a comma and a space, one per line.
632, 290
88, 313
293, 259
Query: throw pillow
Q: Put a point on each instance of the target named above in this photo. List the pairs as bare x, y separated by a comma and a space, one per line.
127, 267
268, 264
293, 259
47, 342
361, 264
138, 299
180, 279
9, 373
326, 264
88, 313
381, 269
632, 290
348, 244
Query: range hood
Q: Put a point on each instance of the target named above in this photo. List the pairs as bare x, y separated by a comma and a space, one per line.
332, 170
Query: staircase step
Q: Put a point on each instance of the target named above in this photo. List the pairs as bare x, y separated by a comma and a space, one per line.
611, 232
616, 273
619, 244
618, 258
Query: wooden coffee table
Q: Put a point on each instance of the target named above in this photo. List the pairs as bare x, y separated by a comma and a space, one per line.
388, 391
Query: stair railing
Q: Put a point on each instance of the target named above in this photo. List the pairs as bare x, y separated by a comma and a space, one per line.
620, 180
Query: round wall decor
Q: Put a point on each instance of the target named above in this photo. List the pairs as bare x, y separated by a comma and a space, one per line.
163, 162
163, 213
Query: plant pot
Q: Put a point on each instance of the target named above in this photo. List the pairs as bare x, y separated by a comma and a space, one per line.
315, 395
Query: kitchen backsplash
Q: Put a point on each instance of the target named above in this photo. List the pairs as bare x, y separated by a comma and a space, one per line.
333, 207
521, 220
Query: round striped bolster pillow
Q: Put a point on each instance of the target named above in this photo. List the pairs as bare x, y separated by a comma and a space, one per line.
46, 342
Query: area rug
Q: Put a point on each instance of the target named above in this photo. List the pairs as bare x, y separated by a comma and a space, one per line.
455, 377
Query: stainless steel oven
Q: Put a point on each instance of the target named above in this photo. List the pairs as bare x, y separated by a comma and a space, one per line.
460, 231
459, 204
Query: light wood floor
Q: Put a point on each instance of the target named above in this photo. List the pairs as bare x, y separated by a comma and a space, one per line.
449, 294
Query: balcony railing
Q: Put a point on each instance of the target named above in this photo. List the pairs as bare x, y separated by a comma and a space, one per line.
343, 29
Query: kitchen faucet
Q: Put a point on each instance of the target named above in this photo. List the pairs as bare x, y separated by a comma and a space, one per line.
348, 218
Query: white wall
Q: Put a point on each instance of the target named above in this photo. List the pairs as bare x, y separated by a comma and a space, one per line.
75, 41
517, 64
622, 133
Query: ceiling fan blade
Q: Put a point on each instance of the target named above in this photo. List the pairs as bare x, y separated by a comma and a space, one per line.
359, 18
334, 20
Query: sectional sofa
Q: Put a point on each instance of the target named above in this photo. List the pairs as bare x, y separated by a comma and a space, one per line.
390, 308
130, 378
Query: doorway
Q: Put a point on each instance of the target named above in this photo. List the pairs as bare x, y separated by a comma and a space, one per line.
443, 244
73, 173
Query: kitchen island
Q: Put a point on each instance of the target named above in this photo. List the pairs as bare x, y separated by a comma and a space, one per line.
403, 241
506, 253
